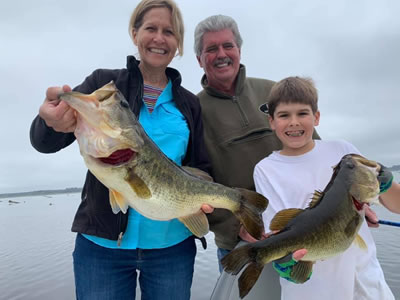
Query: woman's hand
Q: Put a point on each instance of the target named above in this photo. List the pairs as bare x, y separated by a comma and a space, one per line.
56, 113
245, 236
207, 208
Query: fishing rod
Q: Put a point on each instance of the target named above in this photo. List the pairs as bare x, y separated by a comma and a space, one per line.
391, 223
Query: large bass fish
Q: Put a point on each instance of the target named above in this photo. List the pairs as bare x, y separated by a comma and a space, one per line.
119, 153
326, 228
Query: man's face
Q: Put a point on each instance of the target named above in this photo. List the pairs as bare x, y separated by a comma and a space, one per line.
220, 58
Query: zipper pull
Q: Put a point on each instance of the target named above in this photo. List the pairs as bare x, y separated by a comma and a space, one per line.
119, 239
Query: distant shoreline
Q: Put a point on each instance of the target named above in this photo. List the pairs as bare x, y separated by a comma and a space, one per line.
41, 193
395, 169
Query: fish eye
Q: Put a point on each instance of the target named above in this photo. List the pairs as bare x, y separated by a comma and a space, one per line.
350, 165
124, 104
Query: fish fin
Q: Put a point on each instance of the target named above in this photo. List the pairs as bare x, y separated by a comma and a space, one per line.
317, 196
196, 223
360, 242
117, 202
352, 226
237, 259
248, 278
252, 204
138, 185
198, 173
301, 271
283, 217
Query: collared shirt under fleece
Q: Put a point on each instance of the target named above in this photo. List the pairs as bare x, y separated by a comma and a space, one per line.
167, 127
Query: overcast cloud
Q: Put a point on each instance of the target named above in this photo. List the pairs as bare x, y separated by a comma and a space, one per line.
349, 48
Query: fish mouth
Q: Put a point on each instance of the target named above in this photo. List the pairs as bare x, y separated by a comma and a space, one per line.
119, 157
357, 204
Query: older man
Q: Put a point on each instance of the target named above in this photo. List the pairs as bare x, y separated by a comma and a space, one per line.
236, 129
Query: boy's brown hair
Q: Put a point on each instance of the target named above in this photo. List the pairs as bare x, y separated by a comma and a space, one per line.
293, 90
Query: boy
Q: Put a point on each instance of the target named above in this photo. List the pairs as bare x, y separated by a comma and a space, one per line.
288, 179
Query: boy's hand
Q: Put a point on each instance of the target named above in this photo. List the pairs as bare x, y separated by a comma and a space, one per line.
284, 266
385, 178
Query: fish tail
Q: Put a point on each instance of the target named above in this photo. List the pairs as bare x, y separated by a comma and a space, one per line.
252, 205
237, 259
249, 277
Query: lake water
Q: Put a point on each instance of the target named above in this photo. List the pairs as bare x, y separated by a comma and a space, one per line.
36, 250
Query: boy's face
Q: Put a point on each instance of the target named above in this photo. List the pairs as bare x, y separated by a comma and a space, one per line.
294, 125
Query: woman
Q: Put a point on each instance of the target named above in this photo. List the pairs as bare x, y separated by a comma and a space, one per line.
109, 248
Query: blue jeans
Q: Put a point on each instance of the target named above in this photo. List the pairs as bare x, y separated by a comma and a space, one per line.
220, 254
103, 273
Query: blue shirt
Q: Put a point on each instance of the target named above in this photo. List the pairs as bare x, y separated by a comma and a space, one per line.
167, 127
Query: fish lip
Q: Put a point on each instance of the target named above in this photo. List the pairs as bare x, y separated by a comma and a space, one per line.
119, 157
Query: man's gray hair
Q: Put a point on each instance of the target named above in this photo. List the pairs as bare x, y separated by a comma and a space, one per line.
212, 24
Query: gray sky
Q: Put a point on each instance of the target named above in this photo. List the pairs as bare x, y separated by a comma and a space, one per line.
350, 48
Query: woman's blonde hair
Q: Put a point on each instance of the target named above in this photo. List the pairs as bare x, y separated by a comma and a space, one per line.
144, 6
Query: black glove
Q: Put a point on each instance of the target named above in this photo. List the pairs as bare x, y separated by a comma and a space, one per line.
385, 178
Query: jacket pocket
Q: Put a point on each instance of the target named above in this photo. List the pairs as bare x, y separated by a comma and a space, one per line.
256, 134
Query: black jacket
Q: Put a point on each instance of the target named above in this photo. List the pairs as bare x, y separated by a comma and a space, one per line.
94, 215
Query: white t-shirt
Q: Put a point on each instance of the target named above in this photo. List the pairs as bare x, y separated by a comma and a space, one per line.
289, 182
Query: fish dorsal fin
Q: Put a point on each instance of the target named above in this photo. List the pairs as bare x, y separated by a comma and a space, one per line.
282, 218
301, 271
117, 202
138, 185
198, 173
197, 223
360, 242
317, 196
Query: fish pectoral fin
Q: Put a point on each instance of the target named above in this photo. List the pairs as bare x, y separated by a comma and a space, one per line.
283, 217
317, 196
198, 173
196, 223
301, 271
138, 185
117, 202
360, 242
